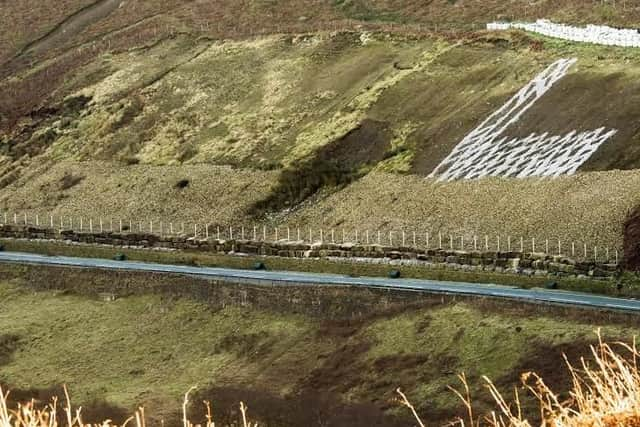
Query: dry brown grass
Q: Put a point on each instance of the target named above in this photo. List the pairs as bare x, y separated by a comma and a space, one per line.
605, 393
29, 415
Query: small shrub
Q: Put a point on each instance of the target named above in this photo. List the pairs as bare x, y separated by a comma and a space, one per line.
182, 184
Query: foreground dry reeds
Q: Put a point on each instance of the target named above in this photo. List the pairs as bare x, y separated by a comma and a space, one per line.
605, 393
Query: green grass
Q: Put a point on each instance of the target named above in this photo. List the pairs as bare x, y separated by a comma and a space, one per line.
150, 348
135, 348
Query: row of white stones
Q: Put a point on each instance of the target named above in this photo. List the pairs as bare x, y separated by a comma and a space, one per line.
598, 34
486, 152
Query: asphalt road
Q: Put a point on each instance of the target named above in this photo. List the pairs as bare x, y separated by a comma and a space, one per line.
282, 278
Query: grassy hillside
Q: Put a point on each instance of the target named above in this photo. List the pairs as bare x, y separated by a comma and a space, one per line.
277, 124
342, 351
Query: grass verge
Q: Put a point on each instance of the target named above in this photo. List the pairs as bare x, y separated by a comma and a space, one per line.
606, 287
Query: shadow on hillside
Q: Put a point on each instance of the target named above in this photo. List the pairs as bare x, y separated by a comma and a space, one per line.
332, 166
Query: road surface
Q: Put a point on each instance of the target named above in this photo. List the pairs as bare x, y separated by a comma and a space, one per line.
282, 278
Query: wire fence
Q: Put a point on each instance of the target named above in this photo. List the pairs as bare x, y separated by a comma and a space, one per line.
421, 240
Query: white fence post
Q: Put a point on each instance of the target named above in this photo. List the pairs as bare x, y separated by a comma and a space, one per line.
356, 242
439, 240
486, 243
498, 244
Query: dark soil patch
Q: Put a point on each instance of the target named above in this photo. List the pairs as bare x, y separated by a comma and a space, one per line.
93, 412
334, 165
305, 409
247, 345
70, 180
8, 345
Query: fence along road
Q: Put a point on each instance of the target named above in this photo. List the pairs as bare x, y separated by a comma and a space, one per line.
281, 278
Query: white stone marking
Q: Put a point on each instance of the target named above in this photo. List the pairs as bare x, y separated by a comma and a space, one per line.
598, 34
485, 153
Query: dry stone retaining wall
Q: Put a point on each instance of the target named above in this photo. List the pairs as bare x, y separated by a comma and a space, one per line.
508, 262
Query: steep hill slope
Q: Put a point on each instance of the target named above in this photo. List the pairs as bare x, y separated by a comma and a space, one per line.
111, 104
304, 356
305, 112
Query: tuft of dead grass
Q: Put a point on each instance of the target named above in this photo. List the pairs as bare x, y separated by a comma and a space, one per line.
29, 415
604, 393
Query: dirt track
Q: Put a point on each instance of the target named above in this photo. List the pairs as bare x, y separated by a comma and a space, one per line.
71, 26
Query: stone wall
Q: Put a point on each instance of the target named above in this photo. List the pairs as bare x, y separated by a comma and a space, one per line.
507, 262
598, 34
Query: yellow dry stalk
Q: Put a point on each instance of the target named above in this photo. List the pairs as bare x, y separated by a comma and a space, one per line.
29, 415
604, 394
